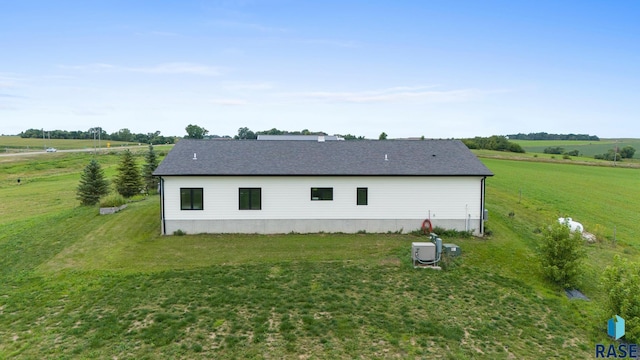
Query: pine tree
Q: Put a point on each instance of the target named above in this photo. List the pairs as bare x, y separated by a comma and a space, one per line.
92, 185
151, 163
128, 181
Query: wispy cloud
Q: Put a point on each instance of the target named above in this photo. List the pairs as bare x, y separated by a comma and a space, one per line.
157, 33
248, 26
93, 111
229, 102
8, 80
166, 68
248, 85
330, 42
180, 68
398, 94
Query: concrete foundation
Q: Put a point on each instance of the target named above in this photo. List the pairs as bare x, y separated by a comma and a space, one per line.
312, 226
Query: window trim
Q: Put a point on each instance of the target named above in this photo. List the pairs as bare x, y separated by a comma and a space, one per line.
318, 197
191, 197
366, 196
250, 198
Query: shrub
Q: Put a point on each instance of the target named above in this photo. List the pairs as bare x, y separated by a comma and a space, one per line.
621, 283
554, 150
179, 233
113, 200
561, 255
611, 155
627, 152
451, 233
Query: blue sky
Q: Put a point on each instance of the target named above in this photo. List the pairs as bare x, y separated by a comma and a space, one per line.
441, 69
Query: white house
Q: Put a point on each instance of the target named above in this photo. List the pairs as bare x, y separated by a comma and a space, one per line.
251, 186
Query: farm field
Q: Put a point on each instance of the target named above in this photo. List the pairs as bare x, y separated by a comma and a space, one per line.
586, 148
16, 143
79, 285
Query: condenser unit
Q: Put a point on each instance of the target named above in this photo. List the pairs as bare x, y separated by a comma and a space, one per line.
423, 252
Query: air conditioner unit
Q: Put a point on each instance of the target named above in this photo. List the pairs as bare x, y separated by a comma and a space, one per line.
423, 252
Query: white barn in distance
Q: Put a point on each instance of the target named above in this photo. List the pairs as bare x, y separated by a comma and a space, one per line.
267, 187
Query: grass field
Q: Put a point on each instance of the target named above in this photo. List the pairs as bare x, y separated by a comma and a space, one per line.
15, 143
586, 148
79, 285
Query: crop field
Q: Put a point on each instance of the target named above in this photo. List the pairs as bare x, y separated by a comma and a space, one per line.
75, 284
16, 143
586, 148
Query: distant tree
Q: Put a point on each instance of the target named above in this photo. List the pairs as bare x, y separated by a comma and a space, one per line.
244, 134
495, 142
554, 150
383, 136
125, 135
351, 137
92, 185
128, 180
611, 155
195, 132
546, 136
561, 255
627, 152
273, 131
150, 165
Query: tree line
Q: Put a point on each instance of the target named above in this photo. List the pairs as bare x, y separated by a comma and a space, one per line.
546, 136
98, 133
495, 142
244, 133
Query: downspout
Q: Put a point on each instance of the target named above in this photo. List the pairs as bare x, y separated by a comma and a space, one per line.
482, 187
164, 224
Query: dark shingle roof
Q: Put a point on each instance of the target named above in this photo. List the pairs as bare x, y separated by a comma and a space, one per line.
363, 157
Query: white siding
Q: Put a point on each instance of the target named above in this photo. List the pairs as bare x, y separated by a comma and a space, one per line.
446, 198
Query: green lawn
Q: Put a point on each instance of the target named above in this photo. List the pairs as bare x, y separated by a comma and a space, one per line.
79, 285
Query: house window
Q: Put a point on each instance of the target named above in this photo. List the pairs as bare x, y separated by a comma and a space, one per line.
191, 199
362, 196
321, 193
250, 198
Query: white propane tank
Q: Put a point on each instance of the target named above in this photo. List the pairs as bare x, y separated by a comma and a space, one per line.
573, 225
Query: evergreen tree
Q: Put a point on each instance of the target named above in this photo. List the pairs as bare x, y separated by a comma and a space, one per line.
151, 163
92, 185
128, 181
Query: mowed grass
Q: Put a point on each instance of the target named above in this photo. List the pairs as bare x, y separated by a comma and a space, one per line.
79, 285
